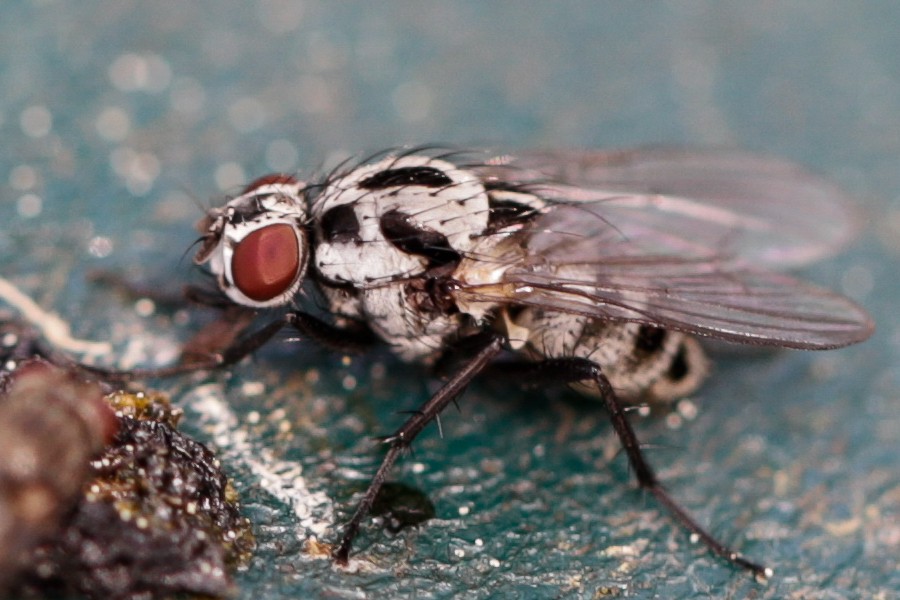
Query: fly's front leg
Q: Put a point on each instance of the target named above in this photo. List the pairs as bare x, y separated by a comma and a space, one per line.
571, 370
170, 299
347, 340
205, 297
351, 339
403, 437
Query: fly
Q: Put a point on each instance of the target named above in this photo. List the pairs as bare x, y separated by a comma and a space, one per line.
595, 269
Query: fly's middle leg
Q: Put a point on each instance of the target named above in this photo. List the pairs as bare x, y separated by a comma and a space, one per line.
404, 436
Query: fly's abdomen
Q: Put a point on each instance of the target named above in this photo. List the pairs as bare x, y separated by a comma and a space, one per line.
642, 362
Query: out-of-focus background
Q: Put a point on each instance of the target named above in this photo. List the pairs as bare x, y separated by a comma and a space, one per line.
120, 119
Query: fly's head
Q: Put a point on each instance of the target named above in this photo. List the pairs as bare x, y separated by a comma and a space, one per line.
257, 245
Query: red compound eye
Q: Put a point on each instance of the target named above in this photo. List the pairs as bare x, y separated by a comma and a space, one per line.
266, 262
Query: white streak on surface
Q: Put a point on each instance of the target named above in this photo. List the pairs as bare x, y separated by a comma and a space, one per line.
52, 326
282, 479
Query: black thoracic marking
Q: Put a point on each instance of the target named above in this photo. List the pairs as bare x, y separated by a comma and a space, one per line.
649, 340
244, 213
504, 213
423, 176
679, 368
340, 225
410, 237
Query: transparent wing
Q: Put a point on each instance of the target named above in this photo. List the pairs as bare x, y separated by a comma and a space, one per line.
745, 306
703, 261
770, 212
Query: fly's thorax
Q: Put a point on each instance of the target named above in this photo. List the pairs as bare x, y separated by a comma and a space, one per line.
398, 217
387, 235
403, 314
642, 362
256, 245
414, 335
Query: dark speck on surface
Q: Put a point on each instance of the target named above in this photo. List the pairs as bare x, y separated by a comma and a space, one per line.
402, 506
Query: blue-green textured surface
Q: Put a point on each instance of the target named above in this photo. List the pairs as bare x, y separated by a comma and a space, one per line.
115, 115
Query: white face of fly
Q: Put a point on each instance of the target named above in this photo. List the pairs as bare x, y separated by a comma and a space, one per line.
256, 245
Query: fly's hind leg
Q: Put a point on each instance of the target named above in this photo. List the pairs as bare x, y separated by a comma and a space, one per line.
403, 437
571, 370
